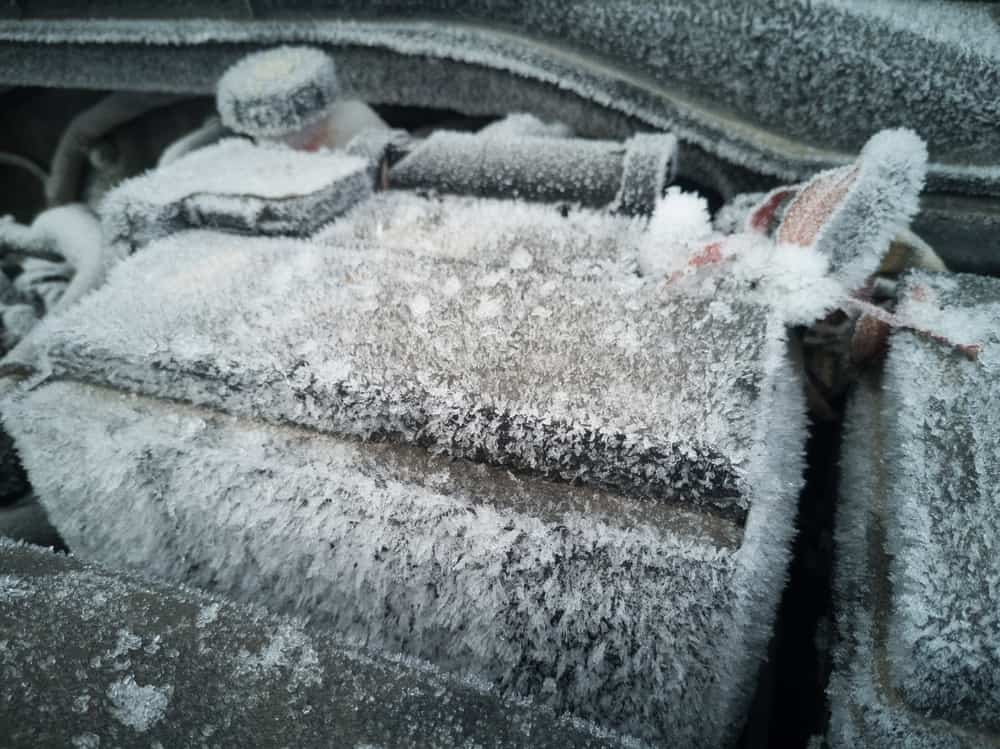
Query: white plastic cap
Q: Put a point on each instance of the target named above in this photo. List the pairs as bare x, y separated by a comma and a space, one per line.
277, 92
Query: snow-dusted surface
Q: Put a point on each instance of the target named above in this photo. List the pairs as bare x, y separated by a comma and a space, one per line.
917, 533
236, 185
278, 91
524, 124
494, 233
147, 664
622, 432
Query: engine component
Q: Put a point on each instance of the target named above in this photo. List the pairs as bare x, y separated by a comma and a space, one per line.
291, 94
278, 92
627, 177
66, 175
62, 257
211, 132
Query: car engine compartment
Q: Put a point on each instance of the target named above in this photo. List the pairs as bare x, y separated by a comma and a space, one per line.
505, 423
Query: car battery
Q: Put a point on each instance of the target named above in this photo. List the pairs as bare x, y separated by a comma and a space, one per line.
461, 429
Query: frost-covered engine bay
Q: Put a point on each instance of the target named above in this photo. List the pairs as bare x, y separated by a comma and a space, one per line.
532, 416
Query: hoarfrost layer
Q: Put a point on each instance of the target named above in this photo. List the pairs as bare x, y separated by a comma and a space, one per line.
586, 602
944, 501
869, 58
589, 374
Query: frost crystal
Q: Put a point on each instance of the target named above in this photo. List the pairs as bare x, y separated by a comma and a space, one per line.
679, 224
136, 706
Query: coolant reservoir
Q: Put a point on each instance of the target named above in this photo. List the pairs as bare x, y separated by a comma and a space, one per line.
291, 95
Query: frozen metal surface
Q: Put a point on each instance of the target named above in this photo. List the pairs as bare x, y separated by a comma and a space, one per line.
628, 176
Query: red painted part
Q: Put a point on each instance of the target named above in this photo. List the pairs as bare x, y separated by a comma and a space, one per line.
762, 217
710, 254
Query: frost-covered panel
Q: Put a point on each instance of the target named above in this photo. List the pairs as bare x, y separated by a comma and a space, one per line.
943, 509
90, 657
595, 375
239, 186
867, 706
917, 532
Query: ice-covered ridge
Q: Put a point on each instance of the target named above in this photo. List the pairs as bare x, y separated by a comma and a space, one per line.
789, 130
599, 377
238, 185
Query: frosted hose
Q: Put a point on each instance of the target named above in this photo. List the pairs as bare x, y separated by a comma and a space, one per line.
213, 130
72, 234
628, 177
88, 127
